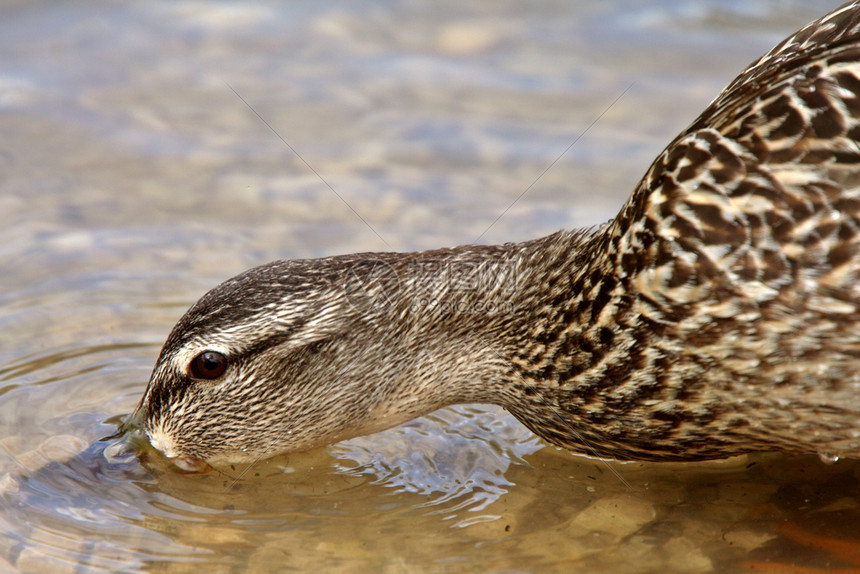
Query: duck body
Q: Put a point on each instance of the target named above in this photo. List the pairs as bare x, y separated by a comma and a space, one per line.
717, 314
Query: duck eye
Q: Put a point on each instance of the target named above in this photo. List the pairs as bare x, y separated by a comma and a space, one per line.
208, 365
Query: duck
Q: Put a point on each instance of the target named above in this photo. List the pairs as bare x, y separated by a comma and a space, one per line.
717, 314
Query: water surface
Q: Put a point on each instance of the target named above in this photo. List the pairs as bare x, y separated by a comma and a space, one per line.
146, 157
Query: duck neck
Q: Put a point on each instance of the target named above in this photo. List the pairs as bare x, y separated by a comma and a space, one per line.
497, 323
570, 303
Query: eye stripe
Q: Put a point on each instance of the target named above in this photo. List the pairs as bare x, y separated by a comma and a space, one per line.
265, 344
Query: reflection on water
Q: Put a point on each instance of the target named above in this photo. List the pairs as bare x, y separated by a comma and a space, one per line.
431, 508
445, 457
132, 179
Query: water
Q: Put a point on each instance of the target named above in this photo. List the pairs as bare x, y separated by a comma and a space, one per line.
134, 177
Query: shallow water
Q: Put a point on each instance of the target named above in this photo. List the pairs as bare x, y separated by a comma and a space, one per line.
138, 169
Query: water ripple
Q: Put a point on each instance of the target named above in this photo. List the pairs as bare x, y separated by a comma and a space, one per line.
457, 457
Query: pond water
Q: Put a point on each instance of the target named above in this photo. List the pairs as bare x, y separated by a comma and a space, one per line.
151, 151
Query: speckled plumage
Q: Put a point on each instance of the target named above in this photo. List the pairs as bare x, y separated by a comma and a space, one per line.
716, 314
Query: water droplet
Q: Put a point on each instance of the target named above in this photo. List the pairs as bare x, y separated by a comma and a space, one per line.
828, 457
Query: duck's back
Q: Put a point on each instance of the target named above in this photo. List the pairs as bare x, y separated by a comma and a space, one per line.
739, 254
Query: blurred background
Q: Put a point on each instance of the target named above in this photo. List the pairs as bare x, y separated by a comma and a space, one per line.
150, 151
